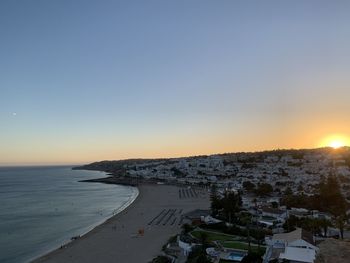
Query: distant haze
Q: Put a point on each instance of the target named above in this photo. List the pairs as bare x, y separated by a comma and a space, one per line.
90, 80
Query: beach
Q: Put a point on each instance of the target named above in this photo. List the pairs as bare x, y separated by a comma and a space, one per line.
156, 213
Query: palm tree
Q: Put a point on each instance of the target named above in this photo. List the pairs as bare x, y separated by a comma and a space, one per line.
215, 202
247, 220
231, 204
340, 223
248, 229
204, 239
186, 228
325, 223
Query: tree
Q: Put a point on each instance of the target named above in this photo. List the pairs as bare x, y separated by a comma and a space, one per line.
215, 203
331, 197
203, 258
264, 189
177, 172
198, 255
313, 225
288, 191
274, 204
327, 198
252, 257
325, 223
204, 239
340, 223
259, 235
283, 172
255, 201
231, 204
300, 188
247, 221
248, 186
186, 228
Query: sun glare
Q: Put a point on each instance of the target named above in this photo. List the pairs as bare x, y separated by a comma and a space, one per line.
335, 142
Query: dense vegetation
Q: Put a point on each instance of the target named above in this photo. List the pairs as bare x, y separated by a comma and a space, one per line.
227, 206
328, 198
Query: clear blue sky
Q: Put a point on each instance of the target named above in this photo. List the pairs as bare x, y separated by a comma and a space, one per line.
91, 80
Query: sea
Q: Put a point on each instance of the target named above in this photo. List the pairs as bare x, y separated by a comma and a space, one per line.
42, 208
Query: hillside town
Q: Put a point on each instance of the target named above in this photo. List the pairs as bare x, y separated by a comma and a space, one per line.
301, 171
275, 206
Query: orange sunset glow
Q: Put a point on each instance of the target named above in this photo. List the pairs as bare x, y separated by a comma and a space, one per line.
231, 78
174, 131
335, 141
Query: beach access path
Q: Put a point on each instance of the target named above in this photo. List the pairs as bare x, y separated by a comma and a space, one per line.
157, 211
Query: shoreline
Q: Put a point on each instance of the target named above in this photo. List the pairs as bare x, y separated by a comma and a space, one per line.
127, 181
117, 237
91, 228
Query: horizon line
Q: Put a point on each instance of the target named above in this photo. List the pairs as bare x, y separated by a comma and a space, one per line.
47, 164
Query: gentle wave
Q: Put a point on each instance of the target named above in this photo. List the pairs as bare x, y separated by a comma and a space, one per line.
43, 207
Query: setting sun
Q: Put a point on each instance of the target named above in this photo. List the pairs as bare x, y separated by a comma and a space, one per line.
336, 144
335, 141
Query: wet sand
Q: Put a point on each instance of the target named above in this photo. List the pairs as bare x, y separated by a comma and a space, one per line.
157, 210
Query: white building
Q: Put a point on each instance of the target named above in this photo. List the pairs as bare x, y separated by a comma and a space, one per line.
295, 254
297, 246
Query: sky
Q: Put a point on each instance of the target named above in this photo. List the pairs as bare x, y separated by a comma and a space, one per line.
84, 81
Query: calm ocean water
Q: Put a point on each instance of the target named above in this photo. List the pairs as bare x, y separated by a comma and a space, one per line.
41, 208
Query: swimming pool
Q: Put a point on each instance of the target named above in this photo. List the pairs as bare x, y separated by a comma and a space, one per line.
236, 256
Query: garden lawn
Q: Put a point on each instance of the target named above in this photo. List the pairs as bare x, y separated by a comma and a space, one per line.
242, 246
213, 236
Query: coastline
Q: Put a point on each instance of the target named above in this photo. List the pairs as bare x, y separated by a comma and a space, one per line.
116, 239
91, 228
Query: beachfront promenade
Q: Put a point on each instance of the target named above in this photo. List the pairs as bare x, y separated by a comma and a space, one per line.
156, 213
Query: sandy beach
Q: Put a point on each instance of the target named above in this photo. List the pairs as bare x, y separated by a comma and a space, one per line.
157, 210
